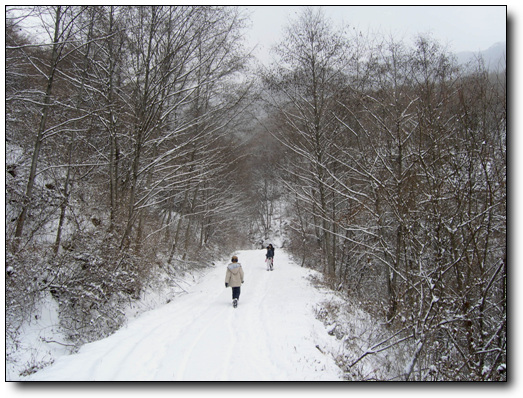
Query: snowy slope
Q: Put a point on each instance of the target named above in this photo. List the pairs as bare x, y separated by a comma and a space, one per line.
272, 335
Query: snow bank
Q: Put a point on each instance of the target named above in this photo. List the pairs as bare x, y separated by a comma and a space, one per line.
39, 342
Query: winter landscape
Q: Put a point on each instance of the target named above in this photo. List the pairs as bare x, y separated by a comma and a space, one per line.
271, 336
146, 145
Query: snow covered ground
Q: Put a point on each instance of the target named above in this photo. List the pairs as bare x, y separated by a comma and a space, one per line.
273, 335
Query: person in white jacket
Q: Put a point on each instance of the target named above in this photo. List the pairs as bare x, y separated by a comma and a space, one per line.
234, 279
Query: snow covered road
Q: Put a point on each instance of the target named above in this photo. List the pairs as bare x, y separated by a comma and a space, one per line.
271, 336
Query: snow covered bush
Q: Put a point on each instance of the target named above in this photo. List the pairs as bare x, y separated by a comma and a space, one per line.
93, 285
24, 283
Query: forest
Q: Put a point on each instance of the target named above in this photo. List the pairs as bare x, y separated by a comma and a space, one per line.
142, 142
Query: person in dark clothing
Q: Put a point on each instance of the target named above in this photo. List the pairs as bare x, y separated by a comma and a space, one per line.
270, 257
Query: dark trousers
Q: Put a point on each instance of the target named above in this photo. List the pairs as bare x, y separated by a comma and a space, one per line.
236, 292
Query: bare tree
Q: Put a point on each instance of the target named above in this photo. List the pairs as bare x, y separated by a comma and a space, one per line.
60, 31
304, 87
433, 206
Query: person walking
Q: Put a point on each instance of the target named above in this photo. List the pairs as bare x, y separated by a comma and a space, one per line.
234, 278
270, 257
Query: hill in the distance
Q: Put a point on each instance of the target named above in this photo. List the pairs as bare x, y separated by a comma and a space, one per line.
494, 56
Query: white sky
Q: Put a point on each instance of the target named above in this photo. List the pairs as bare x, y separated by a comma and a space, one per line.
462, 28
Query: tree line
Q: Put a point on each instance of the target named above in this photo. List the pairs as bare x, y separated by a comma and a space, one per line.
395, 165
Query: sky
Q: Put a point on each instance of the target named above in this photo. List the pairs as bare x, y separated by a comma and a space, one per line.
462, 28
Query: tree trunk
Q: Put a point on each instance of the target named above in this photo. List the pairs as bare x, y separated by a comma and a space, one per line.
41, 128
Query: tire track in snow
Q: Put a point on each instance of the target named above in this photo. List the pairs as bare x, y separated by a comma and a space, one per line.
230, 349
288, 318
206, 348
133, 353
252, 341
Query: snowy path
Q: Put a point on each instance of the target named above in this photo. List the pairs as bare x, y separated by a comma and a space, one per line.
271, 336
